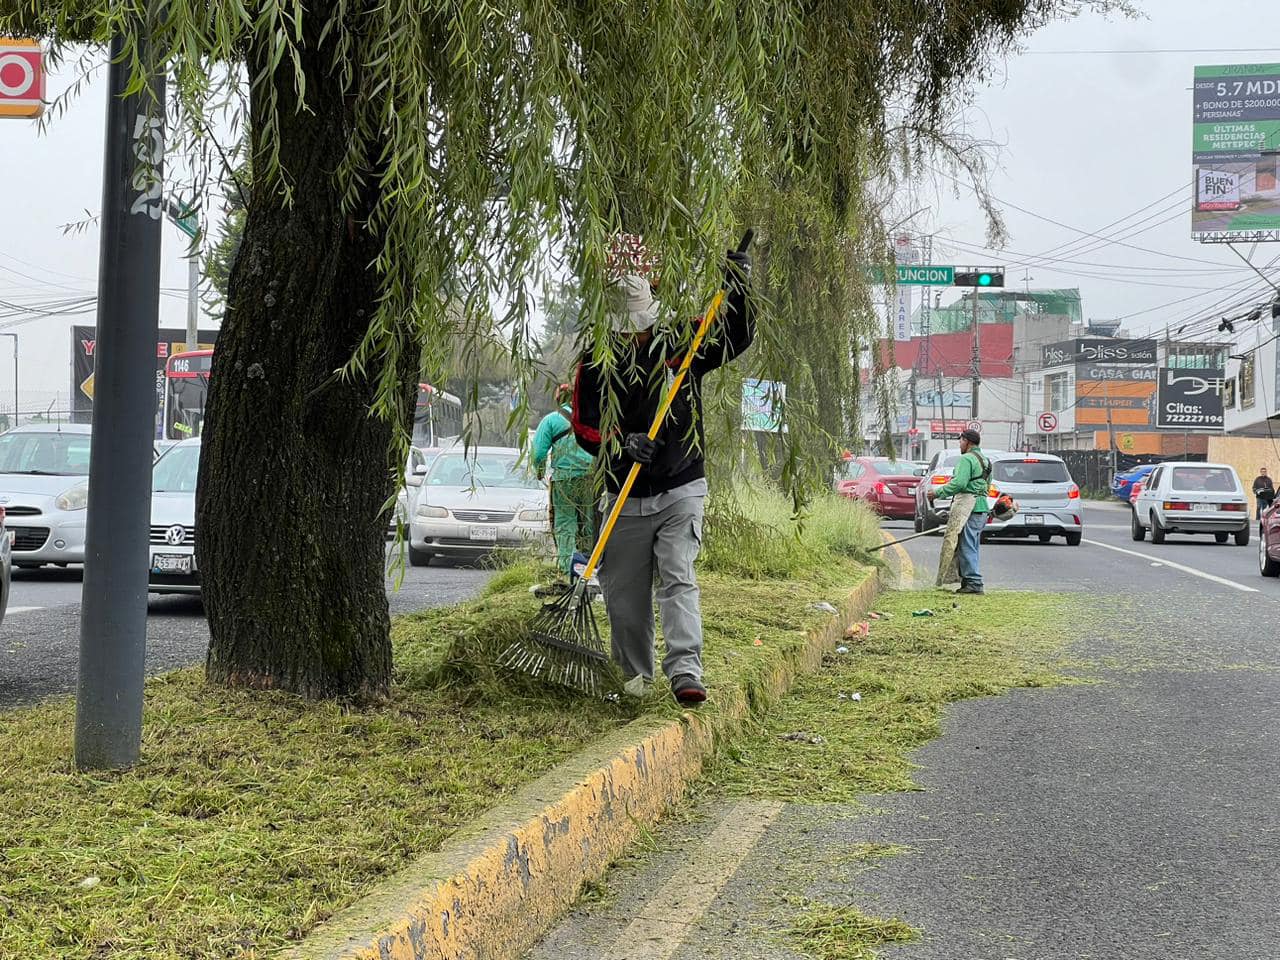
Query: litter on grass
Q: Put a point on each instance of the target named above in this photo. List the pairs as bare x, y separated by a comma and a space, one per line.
855, 697
842, 649
800, 736
922, 613
824, 607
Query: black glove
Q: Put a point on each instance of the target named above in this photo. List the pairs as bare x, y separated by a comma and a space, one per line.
640, 448
737, 269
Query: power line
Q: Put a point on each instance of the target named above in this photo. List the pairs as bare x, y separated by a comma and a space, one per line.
1102, 52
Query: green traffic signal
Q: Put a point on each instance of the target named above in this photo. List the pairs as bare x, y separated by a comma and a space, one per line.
984, 279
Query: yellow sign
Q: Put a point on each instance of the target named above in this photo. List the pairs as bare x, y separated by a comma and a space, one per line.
1127, 441
87, 387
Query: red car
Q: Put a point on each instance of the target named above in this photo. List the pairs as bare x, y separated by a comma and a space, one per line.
1269, 542
887, 486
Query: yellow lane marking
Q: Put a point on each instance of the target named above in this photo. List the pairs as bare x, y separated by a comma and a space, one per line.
666, 917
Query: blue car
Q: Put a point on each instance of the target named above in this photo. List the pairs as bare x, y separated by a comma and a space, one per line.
1122, 483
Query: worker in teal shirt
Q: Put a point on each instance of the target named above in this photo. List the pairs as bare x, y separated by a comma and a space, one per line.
572, 493
968, 489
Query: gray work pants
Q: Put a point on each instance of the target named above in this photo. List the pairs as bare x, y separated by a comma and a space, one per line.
664, 543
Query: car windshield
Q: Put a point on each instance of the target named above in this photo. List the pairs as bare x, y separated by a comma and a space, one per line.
1030, 471
1204, 480
176, 471
54, 454
485, 470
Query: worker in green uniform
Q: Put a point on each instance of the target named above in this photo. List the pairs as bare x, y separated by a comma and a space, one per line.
968, 488
572, 499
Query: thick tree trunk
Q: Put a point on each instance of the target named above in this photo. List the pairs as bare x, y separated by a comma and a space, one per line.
294, 471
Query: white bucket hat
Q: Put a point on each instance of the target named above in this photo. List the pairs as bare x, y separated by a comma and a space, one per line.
631, 306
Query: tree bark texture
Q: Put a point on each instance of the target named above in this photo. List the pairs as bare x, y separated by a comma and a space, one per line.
295, 471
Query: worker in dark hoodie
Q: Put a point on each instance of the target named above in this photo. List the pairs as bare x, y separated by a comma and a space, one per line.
659, 532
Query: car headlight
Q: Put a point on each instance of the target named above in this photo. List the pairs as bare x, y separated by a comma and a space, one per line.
77, 498
532, 516
427, 511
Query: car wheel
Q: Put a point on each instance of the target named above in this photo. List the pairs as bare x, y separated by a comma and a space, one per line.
1044, 537
418, 558
1073, 539
1136, 530
919, 524
1266, 566
1157, 531
1242, 536
1220, 537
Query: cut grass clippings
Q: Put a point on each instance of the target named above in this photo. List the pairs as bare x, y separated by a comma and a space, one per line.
253, 816
845, 933
823, 746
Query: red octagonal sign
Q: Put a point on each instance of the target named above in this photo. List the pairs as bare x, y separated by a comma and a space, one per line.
21, 78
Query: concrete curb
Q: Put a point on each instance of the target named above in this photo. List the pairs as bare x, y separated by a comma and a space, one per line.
499, 884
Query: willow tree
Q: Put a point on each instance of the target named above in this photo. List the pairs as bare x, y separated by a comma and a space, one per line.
413, 162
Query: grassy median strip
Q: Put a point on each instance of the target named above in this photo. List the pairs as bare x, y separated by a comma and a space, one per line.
253, 817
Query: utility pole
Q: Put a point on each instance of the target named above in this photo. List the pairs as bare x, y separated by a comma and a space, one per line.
15, 375
193, 300
113, 617
977, 359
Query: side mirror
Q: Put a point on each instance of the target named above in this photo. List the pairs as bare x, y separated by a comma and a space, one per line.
420, 470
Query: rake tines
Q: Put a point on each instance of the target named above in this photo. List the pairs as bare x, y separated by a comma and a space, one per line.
563, 644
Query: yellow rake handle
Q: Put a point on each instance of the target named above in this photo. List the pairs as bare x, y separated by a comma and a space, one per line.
708, 318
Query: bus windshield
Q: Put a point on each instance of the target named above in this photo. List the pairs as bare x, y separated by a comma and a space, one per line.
186, 391
437, 418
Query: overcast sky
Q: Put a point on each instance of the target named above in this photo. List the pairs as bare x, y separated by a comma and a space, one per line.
1087, 138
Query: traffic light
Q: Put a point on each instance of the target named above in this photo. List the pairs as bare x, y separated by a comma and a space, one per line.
991, 277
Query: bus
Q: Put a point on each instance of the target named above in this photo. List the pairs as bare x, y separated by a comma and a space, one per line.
437, 417
186, 391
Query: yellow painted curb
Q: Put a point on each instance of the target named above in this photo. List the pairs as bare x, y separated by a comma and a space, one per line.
500, 883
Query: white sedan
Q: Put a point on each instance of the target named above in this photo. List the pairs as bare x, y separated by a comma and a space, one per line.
475, 501
173, 520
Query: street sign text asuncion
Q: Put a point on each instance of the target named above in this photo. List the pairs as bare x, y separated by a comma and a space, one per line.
924, 275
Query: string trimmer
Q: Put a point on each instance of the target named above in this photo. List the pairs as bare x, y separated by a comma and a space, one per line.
563, 644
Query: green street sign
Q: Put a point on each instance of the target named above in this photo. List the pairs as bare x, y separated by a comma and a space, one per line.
189, 225
920, 275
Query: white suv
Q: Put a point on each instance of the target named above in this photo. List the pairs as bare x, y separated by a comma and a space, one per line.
1186, 497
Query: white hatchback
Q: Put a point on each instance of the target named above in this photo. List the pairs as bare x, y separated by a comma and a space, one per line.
1189, 497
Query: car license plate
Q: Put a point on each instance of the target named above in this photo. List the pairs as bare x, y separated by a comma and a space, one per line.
171, 563
1204, 507
1035, 520
485, 534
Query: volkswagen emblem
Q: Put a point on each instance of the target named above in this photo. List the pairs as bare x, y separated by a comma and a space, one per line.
175, 536
483, 516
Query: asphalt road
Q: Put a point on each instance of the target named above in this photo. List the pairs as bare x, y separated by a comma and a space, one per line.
40, 637
1133, 818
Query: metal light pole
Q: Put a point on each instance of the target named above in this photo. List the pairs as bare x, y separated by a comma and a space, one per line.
15, 375
113, 618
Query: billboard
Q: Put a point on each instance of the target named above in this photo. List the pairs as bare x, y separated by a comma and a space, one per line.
760, 402
1115, 394
1086, 350
84, 341
1234, 149
1190, 399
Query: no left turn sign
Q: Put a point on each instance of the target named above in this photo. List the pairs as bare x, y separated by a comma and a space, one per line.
1048, 422
21, 78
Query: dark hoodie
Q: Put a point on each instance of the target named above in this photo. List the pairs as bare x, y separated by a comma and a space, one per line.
639, 381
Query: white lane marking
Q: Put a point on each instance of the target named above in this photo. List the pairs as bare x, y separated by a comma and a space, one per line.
664, 921
1178, 566
22, 610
